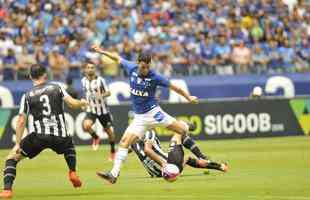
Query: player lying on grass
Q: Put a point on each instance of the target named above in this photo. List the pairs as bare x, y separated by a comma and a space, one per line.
153, 158
45, 103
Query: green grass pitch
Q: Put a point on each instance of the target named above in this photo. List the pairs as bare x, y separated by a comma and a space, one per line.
260, 169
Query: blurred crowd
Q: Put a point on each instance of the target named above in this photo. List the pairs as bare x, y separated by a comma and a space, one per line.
186, 37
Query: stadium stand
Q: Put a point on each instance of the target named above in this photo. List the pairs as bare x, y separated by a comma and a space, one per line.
187, 37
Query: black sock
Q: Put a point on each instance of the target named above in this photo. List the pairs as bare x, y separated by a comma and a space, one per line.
112, 144
214, 165
70, 157
190, 144
193, 163
9, 173
93, 134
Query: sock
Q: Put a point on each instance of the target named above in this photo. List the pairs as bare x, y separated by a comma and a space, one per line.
112, 144
93, 134
214, 165
190, 144
193, 163
9, 173
70, 157
120, 157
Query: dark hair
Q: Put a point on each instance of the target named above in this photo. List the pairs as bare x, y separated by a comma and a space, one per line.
89, 61
144, 57
36, 71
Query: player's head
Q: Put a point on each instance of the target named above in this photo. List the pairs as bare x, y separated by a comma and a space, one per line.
144, 61
38, 72
90, 68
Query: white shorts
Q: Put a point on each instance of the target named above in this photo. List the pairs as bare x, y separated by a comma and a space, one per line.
153, 118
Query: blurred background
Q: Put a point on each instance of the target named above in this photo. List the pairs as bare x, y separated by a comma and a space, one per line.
216, 50
187, 37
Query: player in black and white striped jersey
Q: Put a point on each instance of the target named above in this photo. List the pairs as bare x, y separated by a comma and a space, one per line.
45, 103
153, 158
95, 91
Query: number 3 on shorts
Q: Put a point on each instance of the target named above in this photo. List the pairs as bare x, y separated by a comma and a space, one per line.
159, 116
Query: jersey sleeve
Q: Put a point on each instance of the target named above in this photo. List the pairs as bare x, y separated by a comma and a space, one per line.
24, 106
127, 65
63, 91
150, 136
104, 85
162, 81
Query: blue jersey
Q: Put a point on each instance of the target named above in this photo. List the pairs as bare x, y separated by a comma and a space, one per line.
143, 89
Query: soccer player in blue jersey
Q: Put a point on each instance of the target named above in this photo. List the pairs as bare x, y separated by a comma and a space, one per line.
148, 114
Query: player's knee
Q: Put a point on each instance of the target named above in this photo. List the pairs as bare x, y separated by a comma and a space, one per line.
109, 131
184, 126
127, 140
87, 126
177, 139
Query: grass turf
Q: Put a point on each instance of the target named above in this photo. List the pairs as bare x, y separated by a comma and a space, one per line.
268, 168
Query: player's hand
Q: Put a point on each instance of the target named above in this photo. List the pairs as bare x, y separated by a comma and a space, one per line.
17, 149
84, 103
96, 48
193, 99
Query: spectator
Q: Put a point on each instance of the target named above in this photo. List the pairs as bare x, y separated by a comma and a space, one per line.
288, 57
175, 28
274, 64
222, 51
241, 57
58, 64
259, 60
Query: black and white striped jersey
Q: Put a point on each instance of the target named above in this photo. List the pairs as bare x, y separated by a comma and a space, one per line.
46, 105
153, 168
93, 90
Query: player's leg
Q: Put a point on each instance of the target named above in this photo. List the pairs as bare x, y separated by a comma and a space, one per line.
106, 122
30, 147
164, 119
190, 144
70, 157
87, 126
9, 172
111, 135
134, 131
176, 153
206, 164
122, 152
66, 147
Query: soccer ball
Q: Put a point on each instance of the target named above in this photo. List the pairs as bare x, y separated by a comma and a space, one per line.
170, 172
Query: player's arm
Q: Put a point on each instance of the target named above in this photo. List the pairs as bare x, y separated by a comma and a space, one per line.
22, 119
75, 103
20, 127
105, 89
148, 149
72, 102
125, 64
106, 94
182, 92
112, 56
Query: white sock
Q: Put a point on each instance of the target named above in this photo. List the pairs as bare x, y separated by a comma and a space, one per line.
120, 157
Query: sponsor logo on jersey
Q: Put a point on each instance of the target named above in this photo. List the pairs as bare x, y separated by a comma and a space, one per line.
139, 93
